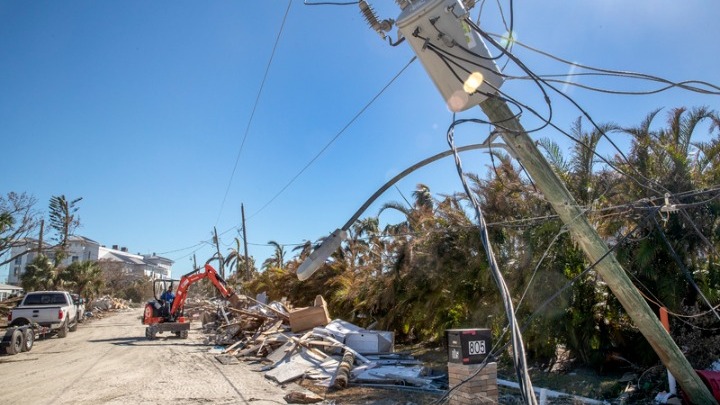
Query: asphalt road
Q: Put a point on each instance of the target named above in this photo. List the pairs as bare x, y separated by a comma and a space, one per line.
109, 361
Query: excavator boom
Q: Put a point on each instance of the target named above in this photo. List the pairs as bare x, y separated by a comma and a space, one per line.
188, 279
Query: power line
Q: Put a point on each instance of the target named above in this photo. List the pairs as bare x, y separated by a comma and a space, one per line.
252, 114
181, 249
539, 80
517, 222
710, 88
331, 3
682, 267
518, 346
362, 110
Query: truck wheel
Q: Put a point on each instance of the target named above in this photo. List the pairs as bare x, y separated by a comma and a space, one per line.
63, 331
74, 327
17, 341
184, 334
149, 334
29, 336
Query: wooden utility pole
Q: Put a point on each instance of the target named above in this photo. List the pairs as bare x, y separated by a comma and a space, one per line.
524, 150
220, 258
246, 277
40, 241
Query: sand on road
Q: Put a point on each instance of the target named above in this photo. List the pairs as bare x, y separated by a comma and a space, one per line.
109, 361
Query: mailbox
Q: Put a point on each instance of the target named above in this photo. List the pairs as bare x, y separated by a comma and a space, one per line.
467, 346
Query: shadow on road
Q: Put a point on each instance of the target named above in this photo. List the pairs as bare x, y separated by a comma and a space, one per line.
143, 341
14, 360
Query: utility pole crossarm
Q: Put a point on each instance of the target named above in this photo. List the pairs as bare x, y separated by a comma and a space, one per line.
587, 238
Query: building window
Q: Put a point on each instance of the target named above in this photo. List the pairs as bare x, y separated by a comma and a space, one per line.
75, 258
16, 271
18, 260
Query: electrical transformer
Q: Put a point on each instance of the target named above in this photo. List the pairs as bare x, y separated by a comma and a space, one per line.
453, 54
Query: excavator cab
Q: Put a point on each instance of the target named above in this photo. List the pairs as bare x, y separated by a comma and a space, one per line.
161, 305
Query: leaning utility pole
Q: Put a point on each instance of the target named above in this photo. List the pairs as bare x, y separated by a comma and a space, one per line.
524, 150
448, 44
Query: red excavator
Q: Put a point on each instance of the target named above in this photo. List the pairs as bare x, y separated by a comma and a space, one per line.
162, 317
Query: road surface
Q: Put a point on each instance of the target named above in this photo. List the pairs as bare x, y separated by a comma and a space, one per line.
109, 361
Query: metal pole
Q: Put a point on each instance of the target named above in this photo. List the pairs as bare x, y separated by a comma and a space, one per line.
524, 149
40, 241
220, 258
246, 277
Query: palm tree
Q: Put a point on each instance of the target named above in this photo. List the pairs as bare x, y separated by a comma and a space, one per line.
85, 278
64, 222
666, 163
278, 258
359, 262
578, 172
40, 274
244, 271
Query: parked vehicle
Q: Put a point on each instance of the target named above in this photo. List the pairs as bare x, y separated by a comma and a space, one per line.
80, 304
54, 310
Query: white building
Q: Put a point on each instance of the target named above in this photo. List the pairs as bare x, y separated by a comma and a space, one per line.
8, 291
81, 248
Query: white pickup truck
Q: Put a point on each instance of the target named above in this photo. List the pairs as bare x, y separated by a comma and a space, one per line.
49, 309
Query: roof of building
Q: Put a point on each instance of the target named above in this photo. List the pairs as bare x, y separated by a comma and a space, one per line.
120, 257
155, 258
82, 239
10, 287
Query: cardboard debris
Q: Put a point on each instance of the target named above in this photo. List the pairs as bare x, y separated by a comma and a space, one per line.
303, 319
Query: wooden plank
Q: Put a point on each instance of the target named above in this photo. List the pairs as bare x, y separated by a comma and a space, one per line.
232, 347
252, 349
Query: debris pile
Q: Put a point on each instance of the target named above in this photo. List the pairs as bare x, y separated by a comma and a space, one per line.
108, 303
96, 307
6, 306
289, 344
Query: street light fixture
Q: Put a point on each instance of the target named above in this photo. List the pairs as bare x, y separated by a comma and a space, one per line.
333, 242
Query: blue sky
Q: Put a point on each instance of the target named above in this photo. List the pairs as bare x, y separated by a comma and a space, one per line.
141, 108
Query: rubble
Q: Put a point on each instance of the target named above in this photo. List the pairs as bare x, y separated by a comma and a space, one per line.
107, 303
289, 344
6, 306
